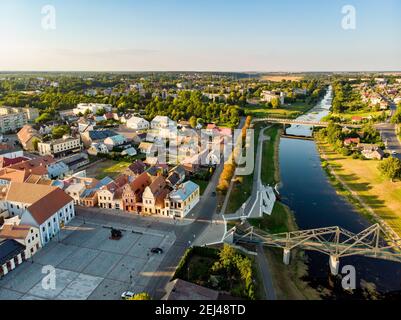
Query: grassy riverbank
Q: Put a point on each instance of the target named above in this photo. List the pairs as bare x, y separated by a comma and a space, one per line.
360, 182
287, 280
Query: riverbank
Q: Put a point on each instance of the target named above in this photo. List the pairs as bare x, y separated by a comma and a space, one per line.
360, 182
288, 280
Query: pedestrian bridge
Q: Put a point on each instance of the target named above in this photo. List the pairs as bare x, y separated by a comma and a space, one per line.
335, 242
303, 122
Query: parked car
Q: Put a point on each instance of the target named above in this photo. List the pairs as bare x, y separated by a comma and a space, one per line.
214, 193
127, 295
157, 250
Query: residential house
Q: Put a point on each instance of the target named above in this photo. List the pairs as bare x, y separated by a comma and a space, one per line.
115, 141
89, 197
133, 191
154, 195
29, 137
137, 123
135, 169
110, 195
351, 141
88, 137
182, 200
159, 122
96, 148
24, 234
371, 151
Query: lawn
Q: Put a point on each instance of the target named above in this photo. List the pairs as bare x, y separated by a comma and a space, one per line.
281, 220
109, 168
269, 161
292, 110
349, 115
242, 188
363, 178
202, 184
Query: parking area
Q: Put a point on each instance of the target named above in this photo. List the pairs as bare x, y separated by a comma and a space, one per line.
89, 265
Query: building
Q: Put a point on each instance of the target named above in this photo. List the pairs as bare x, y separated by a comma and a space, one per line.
182, 200
268, 96
146, 147
137, 123
29, 137
132, 193
89, 137
11, 255
12, 119
60, 147
83, 108
371, 151
154, 195
45, 207
26, 235
115, 141
96, 148
135, 169
89, 197
31, 113
160, 122
110, 195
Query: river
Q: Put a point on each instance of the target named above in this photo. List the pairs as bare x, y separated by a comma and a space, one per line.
306, 190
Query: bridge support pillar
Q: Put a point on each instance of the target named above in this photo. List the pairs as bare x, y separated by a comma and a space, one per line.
334, 263
286, 256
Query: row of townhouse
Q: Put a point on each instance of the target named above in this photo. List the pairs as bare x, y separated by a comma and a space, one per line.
140, 189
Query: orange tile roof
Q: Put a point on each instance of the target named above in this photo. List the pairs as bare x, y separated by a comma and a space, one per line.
26, 133
9, 231
27, 192
44, 208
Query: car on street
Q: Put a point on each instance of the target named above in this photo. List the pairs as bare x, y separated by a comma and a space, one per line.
127, 295
214, 193
393, 152
157, 250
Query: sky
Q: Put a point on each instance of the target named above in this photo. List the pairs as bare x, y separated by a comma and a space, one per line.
199, 35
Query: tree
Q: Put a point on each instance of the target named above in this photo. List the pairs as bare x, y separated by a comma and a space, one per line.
192, 121
100, 112
59, 131
275, 102
390, 168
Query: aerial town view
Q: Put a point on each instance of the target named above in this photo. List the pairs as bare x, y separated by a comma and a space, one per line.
200, 150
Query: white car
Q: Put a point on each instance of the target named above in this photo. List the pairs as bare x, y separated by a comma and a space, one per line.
127, 295
393, 152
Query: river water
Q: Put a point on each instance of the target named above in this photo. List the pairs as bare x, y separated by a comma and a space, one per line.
306, 190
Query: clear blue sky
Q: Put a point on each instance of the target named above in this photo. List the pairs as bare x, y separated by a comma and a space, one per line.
226, 35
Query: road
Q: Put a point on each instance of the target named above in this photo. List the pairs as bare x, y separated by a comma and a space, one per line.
202, 216
389, 135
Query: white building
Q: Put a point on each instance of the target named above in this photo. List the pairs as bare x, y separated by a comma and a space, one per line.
91, 107
45, 207
115, 141
63, 146
159, 122
182, 200
23, 234
137, 123
12, 119
268, 96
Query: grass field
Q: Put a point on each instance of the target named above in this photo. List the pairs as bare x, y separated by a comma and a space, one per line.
363, 178
287, 111
107, 168
269, 172
348, 116
242, 188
